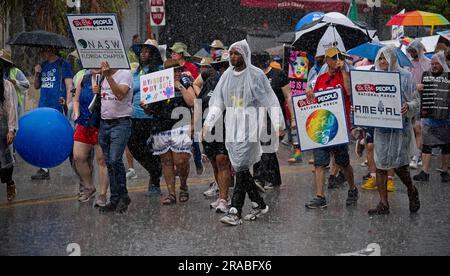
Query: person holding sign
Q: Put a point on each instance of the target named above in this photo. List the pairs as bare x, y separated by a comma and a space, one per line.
172, 137
244, 92
336, 77
115, 128
393, 146
436, 116
142, 124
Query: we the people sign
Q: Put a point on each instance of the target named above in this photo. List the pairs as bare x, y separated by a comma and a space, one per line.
98, 38
321, 123
377, 99
158, 86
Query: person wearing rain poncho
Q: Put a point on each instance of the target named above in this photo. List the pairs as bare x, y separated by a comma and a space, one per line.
245, 93
436, 132
421, 64
393, 147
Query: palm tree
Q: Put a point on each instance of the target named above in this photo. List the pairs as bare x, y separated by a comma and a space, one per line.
56, 10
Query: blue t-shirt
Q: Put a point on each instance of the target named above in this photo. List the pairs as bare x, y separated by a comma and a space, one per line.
86, 97
138, 112
51, 82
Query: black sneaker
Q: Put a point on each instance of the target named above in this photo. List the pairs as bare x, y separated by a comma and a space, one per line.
352, 198
332, 183
317, 203
41, 175
123, 204
414, 201
381, 210
109, 208
422, 177
445, 177
340, 179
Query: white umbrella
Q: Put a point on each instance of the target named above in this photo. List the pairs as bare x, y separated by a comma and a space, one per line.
333, 30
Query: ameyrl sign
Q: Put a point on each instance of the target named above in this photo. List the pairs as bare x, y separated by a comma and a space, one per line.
157, 12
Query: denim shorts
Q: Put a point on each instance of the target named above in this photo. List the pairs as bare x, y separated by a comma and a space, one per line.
322, 156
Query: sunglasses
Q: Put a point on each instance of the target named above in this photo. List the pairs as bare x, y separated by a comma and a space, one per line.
336, 57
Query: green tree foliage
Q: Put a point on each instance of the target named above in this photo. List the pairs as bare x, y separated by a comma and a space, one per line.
49, 15
435, 6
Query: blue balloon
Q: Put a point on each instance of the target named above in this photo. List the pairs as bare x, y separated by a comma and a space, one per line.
307, 19
45, 138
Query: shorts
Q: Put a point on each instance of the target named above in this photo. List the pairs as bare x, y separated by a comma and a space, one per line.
322, 156
176, 140
212, 150
426, 149
86, 135
370, 133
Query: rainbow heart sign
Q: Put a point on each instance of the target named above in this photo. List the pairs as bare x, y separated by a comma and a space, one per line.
158, 86
322, 122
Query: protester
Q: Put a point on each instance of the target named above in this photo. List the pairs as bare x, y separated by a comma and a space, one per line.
115, 129
421, 64
86, 140
9, 126
133, 51
143, 124
205, 64
216, 49
17, 78
172, 137
435, 133
267, 171
179, 54
215, 150
392, 147
54, 79
242, 91
336, 77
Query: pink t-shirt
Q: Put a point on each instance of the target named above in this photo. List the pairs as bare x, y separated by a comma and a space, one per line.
112, 108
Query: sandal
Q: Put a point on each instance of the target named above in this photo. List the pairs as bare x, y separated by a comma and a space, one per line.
170, 200
184, 196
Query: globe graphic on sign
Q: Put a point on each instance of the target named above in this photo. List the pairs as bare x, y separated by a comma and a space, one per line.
322, 126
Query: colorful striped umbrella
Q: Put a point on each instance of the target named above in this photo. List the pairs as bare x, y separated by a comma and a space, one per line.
418, 18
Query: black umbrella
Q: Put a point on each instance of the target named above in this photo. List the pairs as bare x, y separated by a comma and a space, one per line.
333, 30
41, 39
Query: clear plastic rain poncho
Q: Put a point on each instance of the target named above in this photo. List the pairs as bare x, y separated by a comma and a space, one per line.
394, 148
440, 57
422, 64
244, 96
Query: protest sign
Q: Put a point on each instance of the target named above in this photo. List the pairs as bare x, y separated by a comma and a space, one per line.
377, 99
158, 86
435, 97
321, 123
98, 38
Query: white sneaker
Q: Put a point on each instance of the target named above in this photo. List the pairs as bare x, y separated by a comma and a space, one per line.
222, 208
131, 174
256, 212
215, 204
212, 191
364, 164
414, 165
232, 218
